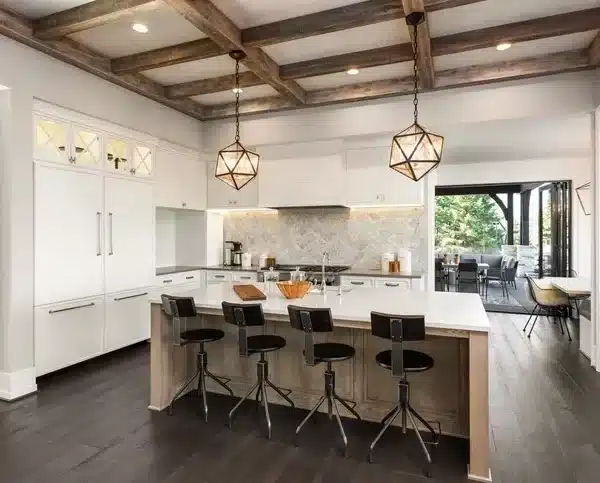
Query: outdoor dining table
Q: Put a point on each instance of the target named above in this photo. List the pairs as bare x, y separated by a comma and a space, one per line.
482, 266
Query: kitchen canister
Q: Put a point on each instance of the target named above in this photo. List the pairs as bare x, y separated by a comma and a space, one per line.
404, 257
386, 258
246, 260
262, 260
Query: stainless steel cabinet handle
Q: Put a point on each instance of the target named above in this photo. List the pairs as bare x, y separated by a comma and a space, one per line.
357, 283
91, 304
219, 276
167, 281
245, 278
388, 284
99, 227
131, 296
191, 277
110, 236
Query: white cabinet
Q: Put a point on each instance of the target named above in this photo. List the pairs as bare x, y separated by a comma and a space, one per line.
129, 235
180, 181
68, 333
68, 235
127, 319
172, 279
213, 277
379, 282
128, 157
317, 181
244, 277
371, 182
223, 196
357, 282
397, 283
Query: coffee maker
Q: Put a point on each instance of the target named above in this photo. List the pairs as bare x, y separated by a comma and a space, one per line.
232, 255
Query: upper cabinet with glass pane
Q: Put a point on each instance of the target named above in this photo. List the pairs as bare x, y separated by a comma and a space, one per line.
87, 147
51, 141
118, 155
143, 162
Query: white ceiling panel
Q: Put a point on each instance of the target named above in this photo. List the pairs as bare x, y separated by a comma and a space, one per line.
116, 39
40, 8
490, 13
249, 13
352, 40
228, 96
517, 51
196, 70
390, 71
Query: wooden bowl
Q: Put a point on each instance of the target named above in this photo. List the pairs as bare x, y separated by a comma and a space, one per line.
295, 289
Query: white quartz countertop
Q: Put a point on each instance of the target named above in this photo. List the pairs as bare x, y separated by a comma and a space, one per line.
442, 310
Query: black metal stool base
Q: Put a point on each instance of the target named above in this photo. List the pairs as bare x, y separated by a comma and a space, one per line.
405, 410
202, 373
332, 399
260, 387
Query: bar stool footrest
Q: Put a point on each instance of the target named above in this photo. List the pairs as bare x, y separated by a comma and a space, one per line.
436, 435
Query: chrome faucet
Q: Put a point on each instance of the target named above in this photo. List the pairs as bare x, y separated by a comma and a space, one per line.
326, 259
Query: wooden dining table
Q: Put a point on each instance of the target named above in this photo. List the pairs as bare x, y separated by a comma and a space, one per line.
573, 287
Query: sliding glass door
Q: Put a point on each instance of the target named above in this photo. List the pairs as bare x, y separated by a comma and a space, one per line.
554, 211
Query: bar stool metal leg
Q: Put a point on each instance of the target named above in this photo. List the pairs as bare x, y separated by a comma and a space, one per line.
180, 392
239, 403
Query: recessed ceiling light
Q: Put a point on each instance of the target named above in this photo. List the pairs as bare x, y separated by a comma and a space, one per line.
503, 46
352, 71
237, 90
140, 28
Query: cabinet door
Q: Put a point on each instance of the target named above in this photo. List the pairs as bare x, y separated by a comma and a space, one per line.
401, 284
169, 180
221, 195
68, 235
143, 161
129, 235
244, 277
68, 333
87, 147
127, 319
213, 277
51, 140
118, 154
357, 282
194, 184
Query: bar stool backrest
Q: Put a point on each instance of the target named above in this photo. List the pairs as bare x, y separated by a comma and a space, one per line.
179, 309
243, 316
310, 320
398, 328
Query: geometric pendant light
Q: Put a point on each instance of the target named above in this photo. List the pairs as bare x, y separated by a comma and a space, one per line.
416, 150
236, 165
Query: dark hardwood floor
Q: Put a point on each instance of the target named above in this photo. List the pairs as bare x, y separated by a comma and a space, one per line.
91, 424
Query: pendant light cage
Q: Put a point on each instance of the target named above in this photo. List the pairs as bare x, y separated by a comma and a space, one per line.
584, 195
416, 151
236, 165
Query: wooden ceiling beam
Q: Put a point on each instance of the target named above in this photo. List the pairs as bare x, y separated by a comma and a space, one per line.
423, 41
87, 16
336, 19
594, 51
205, 16
166, 56
73, 53
211, 85
465, 76
535, 29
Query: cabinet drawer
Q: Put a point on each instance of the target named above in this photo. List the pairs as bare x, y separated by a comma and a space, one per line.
246, 277
127, 319
401, 283
68, 333
357, 282
178, 278
218, 277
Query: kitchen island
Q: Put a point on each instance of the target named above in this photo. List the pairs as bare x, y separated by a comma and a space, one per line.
455, 391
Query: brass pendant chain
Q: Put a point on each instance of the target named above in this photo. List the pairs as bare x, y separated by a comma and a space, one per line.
237, 101
416, 73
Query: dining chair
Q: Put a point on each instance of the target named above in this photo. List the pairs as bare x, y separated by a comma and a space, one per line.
548, 299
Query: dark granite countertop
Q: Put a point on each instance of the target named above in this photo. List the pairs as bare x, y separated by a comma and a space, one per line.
175, 269
376, 272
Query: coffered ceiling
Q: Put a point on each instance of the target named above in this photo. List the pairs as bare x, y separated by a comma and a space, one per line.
298, 52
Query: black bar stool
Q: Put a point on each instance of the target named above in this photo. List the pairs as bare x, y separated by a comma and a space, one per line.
249, 315
310, 320
180, 309
401, 362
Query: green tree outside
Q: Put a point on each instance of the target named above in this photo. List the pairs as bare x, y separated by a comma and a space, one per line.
468, 223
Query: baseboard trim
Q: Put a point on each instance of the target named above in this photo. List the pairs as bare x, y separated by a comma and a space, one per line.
15, 385
478, 478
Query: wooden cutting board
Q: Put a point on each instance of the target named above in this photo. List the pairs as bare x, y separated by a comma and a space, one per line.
249, 292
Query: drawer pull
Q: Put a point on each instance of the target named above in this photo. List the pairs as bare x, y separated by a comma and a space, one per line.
388, 284
245, 278
167, 281
91, 304
354, 282
131, 296
191, 277
219, 276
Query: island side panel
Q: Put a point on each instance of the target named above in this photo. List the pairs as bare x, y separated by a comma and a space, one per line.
479, 422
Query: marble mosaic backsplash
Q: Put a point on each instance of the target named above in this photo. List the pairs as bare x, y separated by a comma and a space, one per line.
352, 237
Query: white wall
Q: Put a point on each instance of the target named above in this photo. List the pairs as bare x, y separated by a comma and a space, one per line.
165, 238
29, 74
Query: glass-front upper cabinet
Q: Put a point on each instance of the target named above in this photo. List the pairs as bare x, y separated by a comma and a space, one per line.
118, 155
87, 147
143, 162
51, 140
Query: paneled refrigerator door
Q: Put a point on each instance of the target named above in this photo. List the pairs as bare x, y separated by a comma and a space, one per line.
129, 237
68, 235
